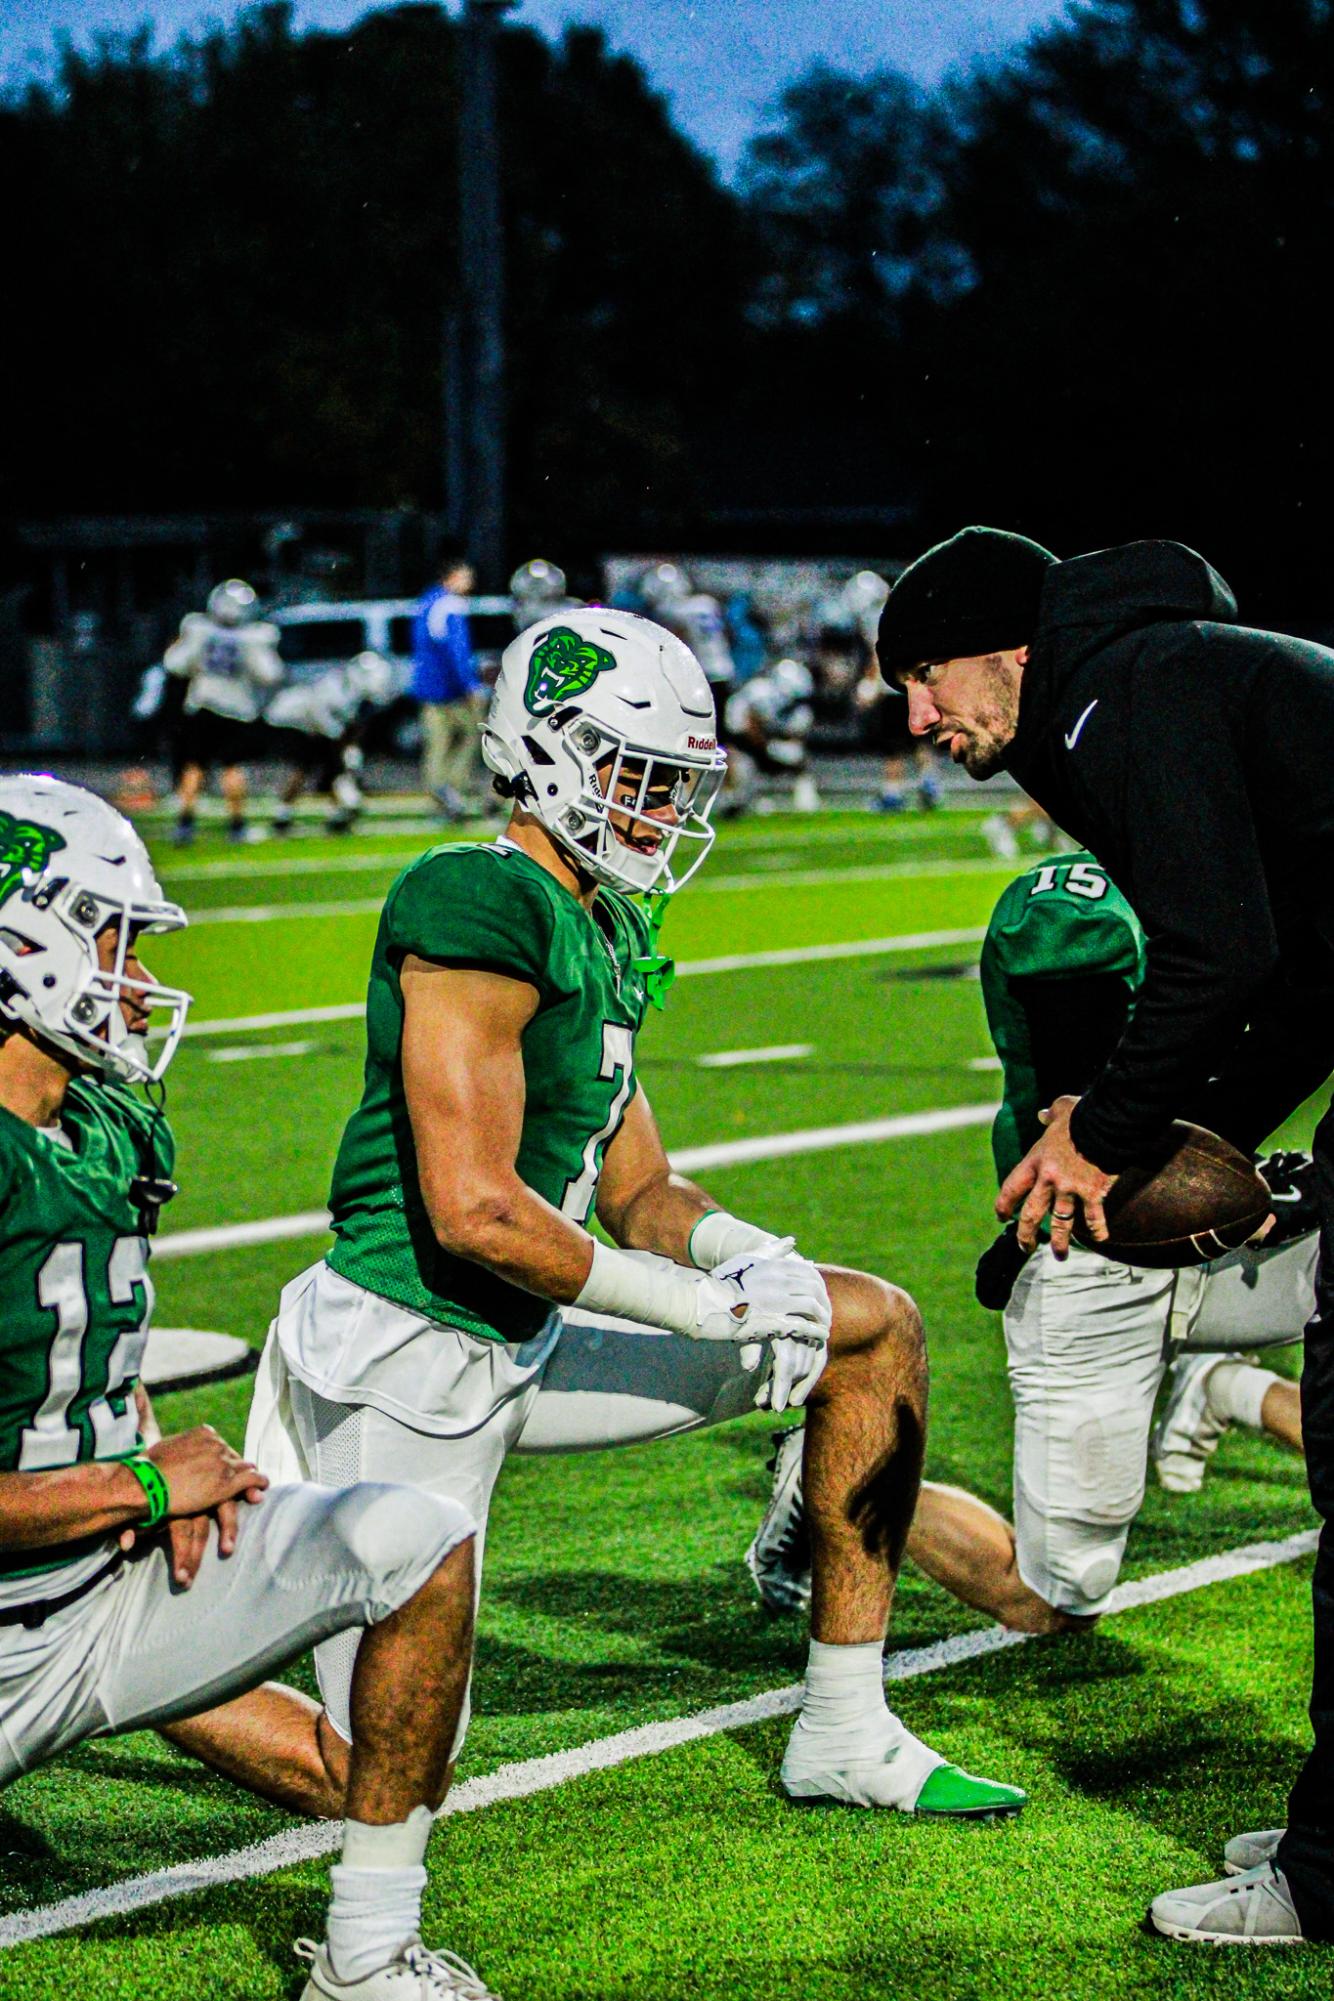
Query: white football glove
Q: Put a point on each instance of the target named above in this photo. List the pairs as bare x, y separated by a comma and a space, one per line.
781, 1296
795, 1368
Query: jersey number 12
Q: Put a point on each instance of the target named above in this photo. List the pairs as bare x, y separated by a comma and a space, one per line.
51, 1440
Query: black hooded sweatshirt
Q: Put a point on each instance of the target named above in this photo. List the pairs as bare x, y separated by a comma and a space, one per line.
1195, 758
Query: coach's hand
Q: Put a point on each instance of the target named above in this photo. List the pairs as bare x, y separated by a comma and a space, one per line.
1054, 1175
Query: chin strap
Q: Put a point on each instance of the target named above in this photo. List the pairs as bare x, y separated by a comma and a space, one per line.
657, 971
150, 1191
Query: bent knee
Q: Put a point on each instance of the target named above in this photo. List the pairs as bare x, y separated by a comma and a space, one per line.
394, 1532
1027, 1612
871, 1314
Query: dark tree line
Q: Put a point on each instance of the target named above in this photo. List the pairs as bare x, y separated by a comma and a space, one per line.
1077, 292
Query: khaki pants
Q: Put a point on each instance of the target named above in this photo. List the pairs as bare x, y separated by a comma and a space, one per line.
451, 753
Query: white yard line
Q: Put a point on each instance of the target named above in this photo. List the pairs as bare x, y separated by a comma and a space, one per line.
686, 1160
775, 1052
732, 962
270, 913
294, 1017
538, 1775
813, 878
258, 1052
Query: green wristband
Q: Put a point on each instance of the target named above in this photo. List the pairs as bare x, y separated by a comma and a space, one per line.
154, 1486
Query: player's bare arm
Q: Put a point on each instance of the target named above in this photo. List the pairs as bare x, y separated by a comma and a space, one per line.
201, 1471
464, 1083
642, 1204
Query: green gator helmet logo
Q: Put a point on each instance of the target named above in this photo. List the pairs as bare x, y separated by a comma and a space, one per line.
25, 849
563, 665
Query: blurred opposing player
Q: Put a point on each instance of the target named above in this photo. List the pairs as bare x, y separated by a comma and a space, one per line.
148, 1580
465, 1310
668, 595
768, 721
316, 727
539, 591
230, 664
1087, 1338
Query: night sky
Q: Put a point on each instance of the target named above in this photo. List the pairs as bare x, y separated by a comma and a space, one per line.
722, 62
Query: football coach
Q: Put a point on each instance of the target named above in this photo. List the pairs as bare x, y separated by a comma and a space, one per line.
1195, 758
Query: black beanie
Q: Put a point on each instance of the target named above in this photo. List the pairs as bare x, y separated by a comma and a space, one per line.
976, 593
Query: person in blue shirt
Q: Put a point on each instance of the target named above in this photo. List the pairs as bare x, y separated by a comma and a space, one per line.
447, 685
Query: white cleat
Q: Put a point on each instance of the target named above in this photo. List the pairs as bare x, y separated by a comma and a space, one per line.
901, 1772
1249, 1851
413, 1974
779, 1559
1253, 1908
1186, 1435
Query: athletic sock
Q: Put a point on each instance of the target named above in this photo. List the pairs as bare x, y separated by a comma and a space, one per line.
847, 1728
377, 1893
1237, 1390
843, 1702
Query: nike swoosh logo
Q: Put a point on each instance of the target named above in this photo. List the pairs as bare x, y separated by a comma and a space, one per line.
631, 703
1072, 736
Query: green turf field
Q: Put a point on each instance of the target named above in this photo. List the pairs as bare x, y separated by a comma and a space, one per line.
616, 1596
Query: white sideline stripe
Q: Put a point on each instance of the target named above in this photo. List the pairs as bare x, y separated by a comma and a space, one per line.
686, 1160
776, 1052
538, 1775
810, 878
734, 962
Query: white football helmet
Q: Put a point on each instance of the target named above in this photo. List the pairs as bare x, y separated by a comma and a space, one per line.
538, 582
231, 603
664, 586
600, 722
370, 678
70, 865
793, 680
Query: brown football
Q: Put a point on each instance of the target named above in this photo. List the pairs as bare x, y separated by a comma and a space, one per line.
1193, 1199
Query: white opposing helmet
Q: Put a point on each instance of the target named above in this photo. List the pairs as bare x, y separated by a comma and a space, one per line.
664, 586
600, 721
231, 603
793, 680
538, 582
370, 678
70, 865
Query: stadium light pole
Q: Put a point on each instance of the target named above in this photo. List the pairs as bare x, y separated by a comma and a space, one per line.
475, 383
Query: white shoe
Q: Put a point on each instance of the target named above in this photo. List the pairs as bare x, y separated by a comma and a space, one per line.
779, 1559
1248, 1851
413, 1974
902, 1773
1254, 1908
1187, 1433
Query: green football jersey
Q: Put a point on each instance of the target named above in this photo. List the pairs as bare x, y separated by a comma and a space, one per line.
1060, 920
77, 1298
491, 907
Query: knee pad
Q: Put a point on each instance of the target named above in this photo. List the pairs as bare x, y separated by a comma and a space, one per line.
399, 1533
1071, 1564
